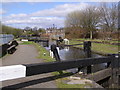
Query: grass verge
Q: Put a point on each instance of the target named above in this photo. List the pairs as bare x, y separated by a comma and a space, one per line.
99, 40
26, 43
99, 48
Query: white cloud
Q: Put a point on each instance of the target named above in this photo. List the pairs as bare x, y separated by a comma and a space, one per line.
18, 15
43, 18
2, 11
36, 21
61, 10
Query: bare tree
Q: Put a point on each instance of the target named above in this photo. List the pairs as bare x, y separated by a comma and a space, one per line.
87, 19
27, 28
109, 16
90, 19
35, 29
73, 19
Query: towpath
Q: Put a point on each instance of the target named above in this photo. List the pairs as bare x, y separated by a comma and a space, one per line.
27, 54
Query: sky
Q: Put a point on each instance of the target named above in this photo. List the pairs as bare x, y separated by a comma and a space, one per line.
39, 14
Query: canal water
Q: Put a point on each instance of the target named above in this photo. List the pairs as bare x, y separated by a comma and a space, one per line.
5, 38
72, 53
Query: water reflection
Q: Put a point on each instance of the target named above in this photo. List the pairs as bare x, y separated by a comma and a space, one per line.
72, 53
5, 38
75, 53
69, 53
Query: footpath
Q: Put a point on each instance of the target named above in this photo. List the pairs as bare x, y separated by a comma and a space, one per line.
27, 54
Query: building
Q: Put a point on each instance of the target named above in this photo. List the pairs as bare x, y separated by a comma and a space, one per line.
55, 33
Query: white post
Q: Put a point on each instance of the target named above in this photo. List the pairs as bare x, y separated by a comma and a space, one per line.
51, 54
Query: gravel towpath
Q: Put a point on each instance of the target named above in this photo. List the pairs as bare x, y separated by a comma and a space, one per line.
27, 54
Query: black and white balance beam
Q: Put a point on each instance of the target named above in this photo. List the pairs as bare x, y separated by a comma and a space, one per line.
20, 71
12, 72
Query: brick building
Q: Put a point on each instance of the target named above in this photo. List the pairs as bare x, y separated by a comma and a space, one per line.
55, 33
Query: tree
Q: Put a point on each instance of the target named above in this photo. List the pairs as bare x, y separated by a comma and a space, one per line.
109, 17
87, 19
73, 19
41, 30
27, 28
90, 19
10, 30
35, 29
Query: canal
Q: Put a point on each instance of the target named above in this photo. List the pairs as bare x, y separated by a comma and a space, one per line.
72, 53
5, 38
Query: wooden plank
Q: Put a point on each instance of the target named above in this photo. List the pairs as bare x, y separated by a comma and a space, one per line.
34, 69
100, 75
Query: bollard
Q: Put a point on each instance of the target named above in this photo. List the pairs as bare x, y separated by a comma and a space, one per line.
51, 54
87, 50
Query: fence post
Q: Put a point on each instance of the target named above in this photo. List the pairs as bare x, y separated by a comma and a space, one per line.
47, 43
115, 68
56, 55
87, 50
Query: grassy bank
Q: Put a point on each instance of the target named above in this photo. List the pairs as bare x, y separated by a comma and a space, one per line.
99, 40
99, 47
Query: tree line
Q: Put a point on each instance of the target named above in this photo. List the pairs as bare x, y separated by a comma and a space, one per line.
18, 32
10, 30
93, 19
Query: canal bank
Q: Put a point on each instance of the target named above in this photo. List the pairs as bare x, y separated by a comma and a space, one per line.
98, 48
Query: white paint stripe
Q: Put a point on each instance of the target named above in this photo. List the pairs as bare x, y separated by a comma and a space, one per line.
25, 40
12, 72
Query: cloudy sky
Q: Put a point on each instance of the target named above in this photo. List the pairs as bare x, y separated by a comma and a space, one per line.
38, 14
